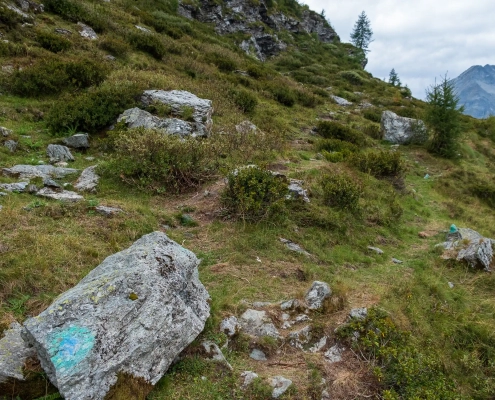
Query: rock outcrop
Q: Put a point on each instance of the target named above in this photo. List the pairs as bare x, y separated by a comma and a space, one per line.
35, 171
401, 130
88, 181
132, 314
77, 141
57, 152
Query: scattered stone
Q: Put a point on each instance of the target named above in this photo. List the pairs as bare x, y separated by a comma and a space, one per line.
35, 171
319, 345
14, 352
62, 31
375, 249
301, 318
401, 130
29, 5
294, 246
108, 211
359, 313
451, 285
14, 187
89, 158
132, 314
334, 354
261, 304
64, 195
214, 353
287, 305
249, 377
257, 323
48, 182
300, 337
5, 132
57, 152
142, 29
279, 385
396, 261
11, 145
246, 128
77, 141
230, 326
340, 101
296, 190
325, 395
258, 355
62, 164
180, 100
472, 247
88, 181
365, 105
109, 57
3, 194
87, 32
32, 189
317, 294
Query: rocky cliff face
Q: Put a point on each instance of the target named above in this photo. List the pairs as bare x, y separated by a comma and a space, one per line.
476, 90
258, 23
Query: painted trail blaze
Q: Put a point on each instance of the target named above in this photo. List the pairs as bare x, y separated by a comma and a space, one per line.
69, 346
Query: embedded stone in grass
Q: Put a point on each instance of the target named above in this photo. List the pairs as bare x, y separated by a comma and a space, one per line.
57, 152
77, 141
257, 323
375, 249
14, 187
246, 127
300, 337
258, 355
359, 313
401, 130
294, 246
64, 195
297, 191
214, 353
334, 354
341, 101
279, 385
230, 326
88, 181
319, 345
317, 294
249, 377
5, 132
14, 352
94, 332
87, 32
108, 211
11, 145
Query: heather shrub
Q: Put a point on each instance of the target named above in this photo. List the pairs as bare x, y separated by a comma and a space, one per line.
114, 46
223, 62
246, 101
340, 191
149, 43
284, 95
373, 115
335, 130
53, 42
378, 163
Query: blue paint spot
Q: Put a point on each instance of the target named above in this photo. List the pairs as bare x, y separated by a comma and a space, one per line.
69, 346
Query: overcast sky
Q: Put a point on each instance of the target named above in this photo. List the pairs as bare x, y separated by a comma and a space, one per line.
421, 39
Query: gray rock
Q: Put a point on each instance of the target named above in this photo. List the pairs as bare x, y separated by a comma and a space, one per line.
136, 118
62, 31
179, 100
11, 145
301, 318
134, 314
257, 323
451, 285
14, 187
48, 182
35, 171
258, 355
319, 345
3, 194
87, 32
77, 141
261, 304
142, 29
64, 195
397, 261
246, 128
317, 294
279, 385
475, 249
325, 395
249, 377
287, 305
108, 211
293, 246
57, 152
5, 132
296, 191
230, 326
375, 249
400, 130
33, 189
341, 101
14, 352
19, 12
214, 353
334, 354
88, 181
300, 337
359, 313
29, 5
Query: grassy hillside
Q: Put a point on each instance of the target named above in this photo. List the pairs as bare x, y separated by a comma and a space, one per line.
433, 342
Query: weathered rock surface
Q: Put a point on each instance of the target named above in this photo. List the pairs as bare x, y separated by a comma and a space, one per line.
341, 101
334, 354
108, 211
258, 355
134, 313
29, 5
64, 195
400, 130
246, 128
77, 141
215, 354
376, 250
179, 100
296, 190
57, 152
279, 385
317, 294
257, 323
35, 171
293, 246
87, 32
300, 337
5, 132
11, 145
359, 313
14, 352
14, 187
230, 326
136, 118
249, 377
88, 181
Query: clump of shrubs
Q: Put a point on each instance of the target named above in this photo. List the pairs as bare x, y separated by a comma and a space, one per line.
254, 193
74, 11
373, 115
373, 131
353, 77
341, 191
161, 163
379, 163
114, 46
284, 95
245, 100
335, 130
53, 42
149, 43
222, 61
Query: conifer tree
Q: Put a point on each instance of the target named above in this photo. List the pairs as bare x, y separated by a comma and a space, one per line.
362, 33
393, 78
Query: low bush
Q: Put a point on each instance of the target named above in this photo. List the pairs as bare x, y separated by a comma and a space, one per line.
9, 49
308, 99
340, 191
160, 163
53, 42
379, 163
373, 115
253, 193
256, 71
284, 95
336, 145
246, 101
222, 61
8, 18
353, 77
74, 11
149, 43
485, 191
92, 110
114, 46
335, 130
168, 24
373, 131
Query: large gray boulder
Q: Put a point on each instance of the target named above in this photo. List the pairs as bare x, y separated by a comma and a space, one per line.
37, 171
137, 118
471, 247
134, 314
401, 130
180, 100
57, 152
77, 141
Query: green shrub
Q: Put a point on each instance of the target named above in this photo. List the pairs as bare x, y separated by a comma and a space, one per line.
379, 163
284, 95
114, 46
485, 191
373, 115
168, 24
334, 156
307, 99
245, 100
160, 163
335, 130
336, 145
352, 77
8, 18
373, 131
223, 62
340, 191
256, 71
92, 110
254, 193
9, 49
53, 42
75, 11
85, 73
149, 43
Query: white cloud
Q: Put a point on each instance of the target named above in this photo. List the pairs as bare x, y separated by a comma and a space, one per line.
421, 39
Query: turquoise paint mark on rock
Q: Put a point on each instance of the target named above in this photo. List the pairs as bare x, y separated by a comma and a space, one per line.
69, 346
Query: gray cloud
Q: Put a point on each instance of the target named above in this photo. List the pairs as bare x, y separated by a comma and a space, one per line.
421, 39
